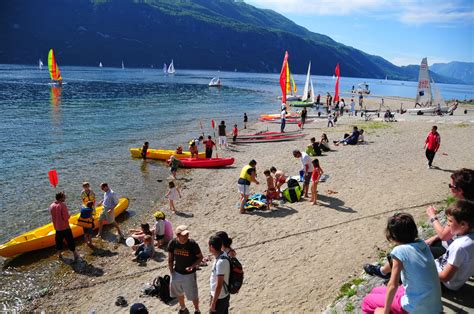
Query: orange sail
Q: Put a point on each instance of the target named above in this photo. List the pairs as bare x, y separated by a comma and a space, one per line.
53, 67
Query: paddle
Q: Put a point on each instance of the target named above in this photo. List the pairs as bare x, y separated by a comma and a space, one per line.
53, 177
213, 124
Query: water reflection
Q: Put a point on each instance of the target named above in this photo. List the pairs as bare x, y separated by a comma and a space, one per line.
55, 99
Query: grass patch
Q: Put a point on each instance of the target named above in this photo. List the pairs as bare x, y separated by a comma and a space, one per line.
349, 307
347, 290
374, 125
462, 125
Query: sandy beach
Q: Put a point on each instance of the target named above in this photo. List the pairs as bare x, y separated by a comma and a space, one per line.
298, 255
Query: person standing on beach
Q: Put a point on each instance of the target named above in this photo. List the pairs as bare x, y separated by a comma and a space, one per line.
222, 135
235, 133
248, 174
307, 168
107, 216
144, 150
209, 143
219, 280
246, 119
184, 256
283, 119
318, 101
353, 105
361, 102
304, 114
174, 163
60, 219
87, 195
432, 143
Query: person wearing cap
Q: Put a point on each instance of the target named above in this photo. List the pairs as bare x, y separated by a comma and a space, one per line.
184, 256
138, 308
307, 168
163, 230
247, 175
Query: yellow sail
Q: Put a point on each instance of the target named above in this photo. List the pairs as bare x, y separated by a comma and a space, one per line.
53, 67
290, 81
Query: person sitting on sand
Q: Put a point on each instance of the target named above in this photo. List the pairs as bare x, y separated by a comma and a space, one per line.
174, 163
163, 230
280, 178
144, 251
271, 192
313, 148
361, 136
193, 149
324, 143
139, 234
349, 139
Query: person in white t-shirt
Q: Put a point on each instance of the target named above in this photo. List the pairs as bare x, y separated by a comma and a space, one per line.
283, 119
219, 279
307, 163
456, 265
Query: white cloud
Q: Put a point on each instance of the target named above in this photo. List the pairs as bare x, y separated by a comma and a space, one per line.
412, 12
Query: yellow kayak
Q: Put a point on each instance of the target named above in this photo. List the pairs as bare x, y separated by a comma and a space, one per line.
43, 237
161, 154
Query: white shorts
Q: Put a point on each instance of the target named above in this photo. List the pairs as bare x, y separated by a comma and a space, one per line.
243, 189
222, 140
108, 217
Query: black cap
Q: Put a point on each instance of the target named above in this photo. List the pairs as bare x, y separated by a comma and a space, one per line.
138, 308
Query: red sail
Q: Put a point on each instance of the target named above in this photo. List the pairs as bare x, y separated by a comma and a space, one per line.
336, 92
283, 77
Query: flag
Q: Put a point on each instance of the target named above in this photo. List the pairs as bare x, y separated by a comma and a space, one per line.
336, 92
283, 77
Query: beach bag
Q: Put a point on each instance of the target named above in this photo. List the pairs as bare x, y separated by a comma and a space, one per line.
293, 183
161, 288
236, 276
293, 194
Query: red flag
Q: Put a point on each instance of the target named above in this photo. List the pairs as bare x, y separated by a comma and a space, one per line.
283, 77
336, 92
213, 124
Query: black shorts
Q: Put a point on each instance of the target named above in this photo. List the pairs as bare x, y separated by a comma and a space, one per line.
307, 178
159, 237
64, 235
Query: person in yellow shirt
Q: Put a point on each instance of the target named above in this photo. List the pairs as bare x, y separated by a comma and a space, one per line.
87, 195
247, 175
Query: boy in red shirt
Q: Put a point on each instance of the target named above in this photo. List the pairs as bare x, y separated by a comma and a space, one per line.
432, 143
235, 132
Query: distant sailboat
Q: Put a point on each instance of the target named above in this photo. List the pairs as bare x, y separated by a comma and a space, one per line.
123, 66
215, 82
308, 92
165, 68
100, 64
40, 64
54, 69
171, 69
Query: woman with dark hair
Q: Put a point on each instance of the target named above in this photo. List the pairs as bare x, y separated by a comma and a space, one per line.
413, 264
226, 243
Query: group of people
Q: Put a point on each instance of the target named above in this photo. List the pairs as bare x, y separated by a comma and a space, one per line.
418, 270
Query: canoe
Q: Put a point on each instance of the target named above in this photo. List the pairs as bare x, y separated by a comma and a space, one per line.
206, 162
266, 134
270, 139
43, 237
161, 154
301, 104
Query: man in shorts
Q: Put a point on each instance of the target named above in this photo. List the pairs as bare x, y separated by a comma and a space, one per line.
247, 175
107, 216
307, 168
184, 256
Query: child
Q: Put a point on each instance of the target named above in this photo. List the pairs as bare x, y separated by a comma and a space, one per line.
159, 229
235, 132
87, 195
86, 220
209, 145
144, 251
317, 173
420, 291
193, 149
144, 150
140, 234
330, 119
179, 150
246, 119
172, 195
174, 163
314, 148
456, 265
271, 190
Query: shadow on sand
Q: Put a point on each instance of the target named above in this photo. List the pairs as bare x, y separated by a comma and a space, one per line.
334, 203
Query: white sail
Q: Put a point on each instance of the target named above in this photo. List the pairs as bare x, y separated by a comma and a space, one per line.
100, 64
40, 64
165, 68
307, 91
423, 94
312, 96
438, 100
215, 82
123, 65
171, 69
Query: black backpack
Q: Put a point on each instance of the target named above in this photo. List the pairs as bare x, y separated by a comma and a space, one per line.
236, 276
293, 183
161, 288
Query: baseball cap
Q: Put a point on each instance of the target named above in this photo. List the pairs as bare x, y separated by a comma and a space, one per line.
138, 308
182, 230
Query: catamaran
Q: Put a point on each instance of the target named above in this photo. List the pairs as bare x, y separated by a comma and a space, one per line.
171, 69
215, 82
54, 69
308, 99
40, 64
425, 102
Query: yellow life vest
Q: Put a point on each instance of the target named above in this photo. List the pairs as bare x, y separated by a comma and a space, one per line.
244, 175
87, 197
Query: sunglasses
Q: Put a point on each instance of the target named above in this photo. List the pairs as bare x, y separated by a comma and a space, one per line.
452, 186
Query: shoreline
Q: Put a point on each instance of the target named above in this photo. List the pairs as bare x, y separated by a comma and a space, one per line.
295, 257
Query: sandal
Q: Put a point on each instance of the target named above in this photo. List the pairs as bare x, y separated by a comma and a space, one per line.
121, 302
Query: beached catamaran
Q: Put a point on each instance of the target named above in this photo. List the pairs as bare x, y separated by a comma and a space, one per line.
308, 98
171, 69
54, 69
287, 83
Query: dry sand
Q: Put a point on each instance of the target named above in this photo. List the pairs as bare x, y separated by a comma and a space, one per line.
297, 256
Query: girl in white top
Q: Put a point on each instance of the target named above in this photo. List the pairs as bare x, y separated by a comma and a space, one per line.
172, 195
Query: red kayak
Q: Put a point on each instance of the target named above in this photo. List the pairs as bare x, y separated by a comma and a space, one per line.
270, 138
206, 162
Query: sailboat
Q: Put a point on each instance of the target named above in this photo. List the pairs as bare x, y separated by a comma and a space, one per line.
165, 68
171, 69
54, 69
425, 101
123, 66
40, 64
100, 64
215, 82
308, 98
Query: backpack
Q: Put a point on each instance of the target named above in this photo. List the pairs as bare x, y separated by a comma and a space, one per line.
236, 276
293, 183
293, 194
160, 288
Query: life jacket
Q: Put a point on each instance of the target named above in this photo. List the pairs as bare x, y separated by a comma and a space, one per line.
86, 218
244, 175
87, 197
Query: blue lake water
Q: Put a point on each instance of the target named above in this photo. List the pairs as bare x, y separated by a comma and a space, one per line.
85, 129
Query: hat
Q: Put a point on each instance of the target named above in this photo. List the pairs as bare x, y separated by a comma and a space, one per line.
159, 214
138, 308
182, 230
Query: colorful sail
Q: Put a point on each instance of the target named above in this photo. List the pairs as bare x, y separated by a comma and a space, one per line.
53, 67
424, 96
337, 74
283, 77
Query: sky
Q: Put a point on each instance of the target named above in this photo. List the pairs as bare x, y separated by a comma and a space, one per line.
401, 31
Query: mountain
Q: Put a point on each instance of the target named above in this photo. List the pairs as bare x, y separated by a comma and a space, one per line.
197, 34
413, 70
463, 71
